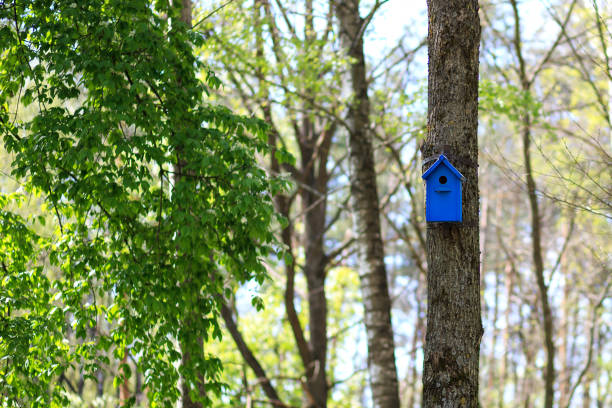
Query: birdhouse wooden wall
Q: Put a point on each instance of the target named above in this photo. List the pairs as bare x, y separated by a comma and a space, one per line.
443, 192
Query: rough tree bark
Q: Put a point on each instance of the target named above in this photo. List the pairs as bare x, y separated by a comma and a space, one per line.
365, 206
454, 329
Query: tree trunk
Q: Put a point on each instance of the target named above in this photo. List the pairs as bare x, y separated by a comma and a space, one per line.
100, 376
536, 228
538, 263
454, 329
365, 206
246, 353
566, 371
138, 388
124, 389
314, 204
483, 249
492, 361
188, 348
313, 181
412, 400
510, 276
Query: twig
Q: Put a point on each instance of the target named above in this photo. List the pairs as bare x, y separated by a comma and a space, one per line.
210, 14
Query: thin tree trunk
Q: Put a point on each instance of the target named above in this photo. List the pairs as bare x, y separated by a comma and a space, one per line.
366, 215
526, 380
510, 276
536, 227
186, 352
503, 375
483, 249
80, 385
194, 347
490, 359
586, 394
538, 262
314, 146
314, 141
454, 328
247, 355
565, 375
314, 269
124, 390
100, 383
138, 388
514, 366
412, 401
492, 364
314, 203
602, 392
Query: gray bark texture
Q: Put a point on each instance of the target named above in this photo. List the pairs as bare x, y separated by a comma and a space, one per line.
365, 205
454, 328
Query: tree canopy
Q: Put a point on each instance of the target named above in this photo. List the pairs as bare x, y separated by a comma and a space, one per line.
118, 104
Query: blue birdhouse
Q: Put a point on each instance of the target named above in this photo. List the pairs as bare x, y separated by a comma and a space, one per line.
443, 193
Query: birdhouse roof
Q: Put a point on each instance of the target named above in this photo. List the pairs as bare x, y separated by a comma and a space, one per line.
443, 160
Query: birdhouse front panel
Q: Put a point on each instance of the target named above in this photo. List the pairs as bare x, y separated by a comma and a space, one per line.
443, 193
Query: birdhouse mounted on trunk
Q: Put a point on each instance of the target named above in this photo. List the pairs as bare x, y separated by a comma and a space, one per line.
443, 192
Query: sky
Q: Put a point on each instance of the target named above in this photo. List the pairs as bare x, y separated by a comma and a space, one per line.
397, 17
392, 21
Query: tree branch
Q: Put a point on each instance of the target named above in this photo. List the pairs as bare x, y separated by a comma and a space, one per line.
248, 356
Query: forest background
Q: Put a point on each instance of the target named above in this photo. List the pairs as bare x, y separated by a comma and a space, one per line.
544, 119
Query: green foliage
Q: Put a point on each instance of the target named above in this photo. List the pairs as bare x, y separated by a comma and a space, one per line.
31, 343
157, 196
507, 100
